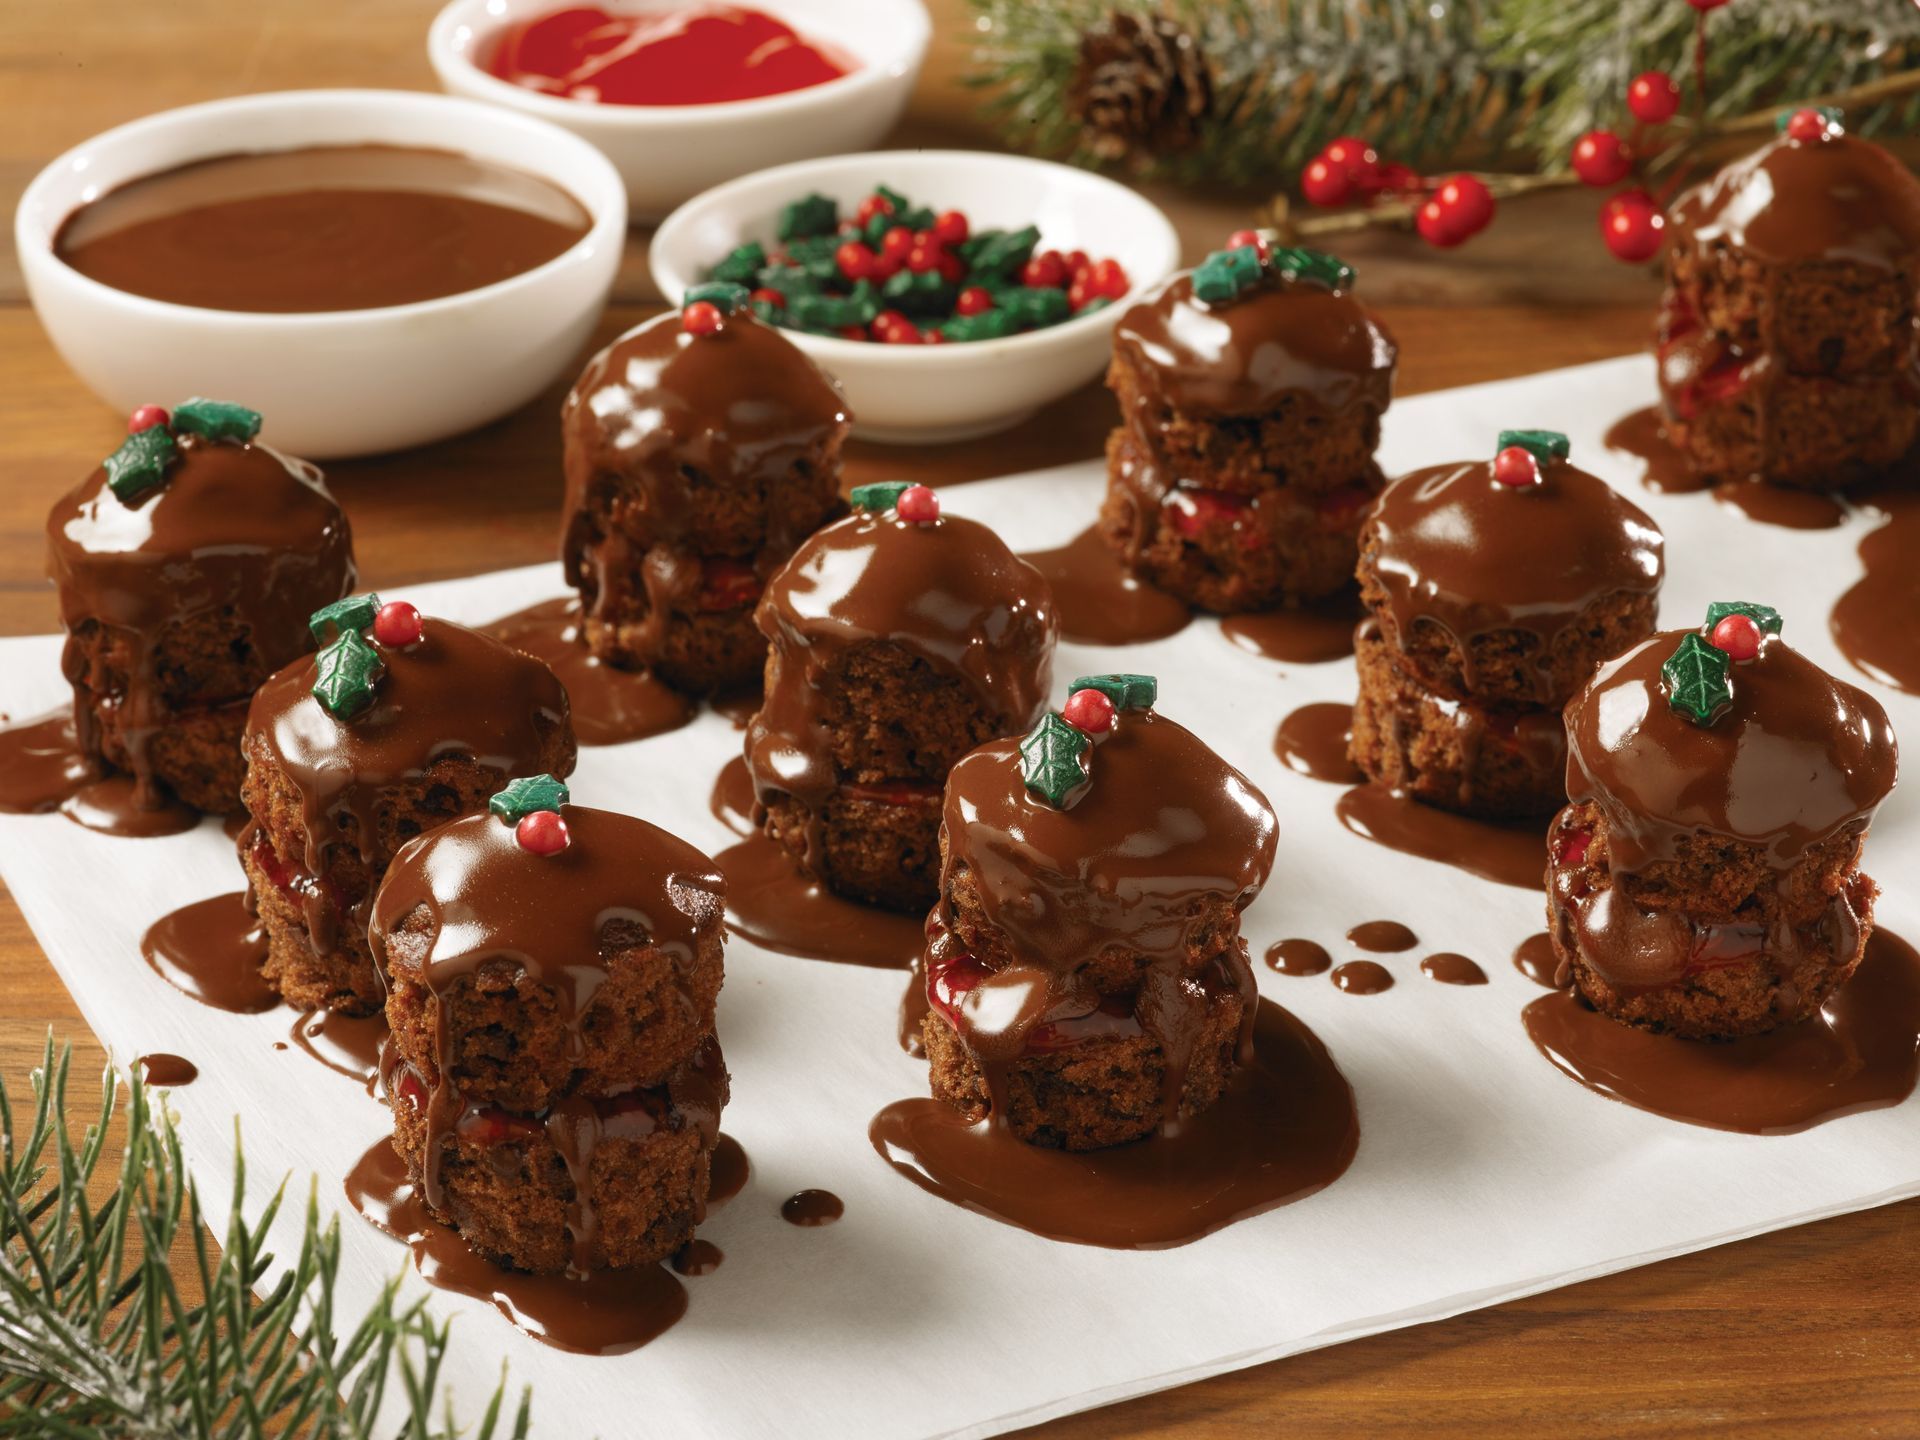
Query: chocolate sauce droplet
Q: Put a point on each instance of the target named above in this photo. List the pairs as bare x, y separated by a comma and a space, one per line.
41, 764
1451, 969
168, 1071
697, 1257
812, 1207
1534, 958
1312, 741
1363, 977
1298, 957
1382, 936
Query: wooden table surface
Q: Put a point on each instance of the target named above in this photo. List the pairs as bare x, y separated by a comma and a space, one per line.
1807, 1330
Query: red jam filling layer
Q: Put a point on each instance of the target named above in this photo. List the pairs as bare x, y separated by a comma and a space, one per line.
727, 584
629, 1116
295, 881
900, 793
946, 984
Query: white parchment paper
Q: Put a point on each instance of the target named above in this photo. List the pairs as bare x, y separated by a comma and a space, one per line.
1482, 1174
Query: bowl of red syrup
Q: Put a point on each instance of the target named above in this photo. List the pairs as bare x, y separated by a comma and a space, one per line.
684, 94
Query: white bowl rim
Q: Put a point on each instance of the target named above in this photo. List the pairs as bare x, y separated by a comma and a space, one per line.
608, 226
832, 345
444, 54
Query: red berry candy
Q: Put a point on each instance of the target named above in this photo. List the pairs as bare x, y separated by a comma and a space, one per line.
1045, 271
1088, 711
1439, 226
917, 505
871, 206
1738, 636
1108, 279
924, 256
770, 297
853, 332
1080, 291
146, 417
898, 330
1248, 237
396, 624
1515, 466
897, 243
1357, 158
1809, 127
1468, 201
951, 228
543, 832
853, 259
1601, 158
1653, 97
973, 300
702, 317
1325, 183
1633, 226
1078, 261
952, 268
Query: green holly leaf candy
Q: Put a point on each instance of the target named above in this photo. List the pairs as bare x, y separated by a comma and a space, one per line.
1546, 446
528, 795
1053, 761
354, 613
808, 216
1127, 692
741, 264
723, 295
1765, 616
1224, 274
831, 312
881, 495
1316, 267
987, 325
787, 280
216, 420
141, 462
1034, 307
1697, 678
345, 674
1000, 253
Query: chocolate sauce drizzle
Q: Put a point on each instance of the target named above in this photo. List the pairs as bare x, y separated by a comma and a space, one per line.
1507, 852
212, 950
1873, 622
609, 705
771, 903
1098, 602
1643, 435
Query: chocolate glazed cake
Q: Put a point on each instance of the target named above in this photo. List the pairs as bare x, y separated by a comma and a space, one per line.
1704, 879
899, 640
1250, 392
397, 725
1087, 983
187, 566
1493, 589
701, 448
1787, 336
555, 1081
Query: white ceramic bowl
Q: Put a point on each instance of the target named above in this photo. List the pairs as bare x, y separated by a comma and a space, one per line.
928, 394
667, 153
348, 382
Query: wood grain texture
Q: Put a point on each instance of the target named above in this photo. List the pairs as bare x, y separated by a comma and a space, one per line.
1813, 1330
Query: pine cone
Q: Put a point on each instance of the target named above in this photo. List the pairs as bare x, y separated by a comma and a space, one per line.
1140, 88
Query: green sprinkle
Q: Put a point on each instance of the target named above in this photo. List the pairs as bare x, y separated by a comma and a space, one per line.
741, 264
999, 253
345, 674
881, 495
1316, 267
1546, 446
808, 216
355, 613
1765, 616
723, 295
787, 280
1127, 692
527, 796
925, 293
216, 420
1053, 761
993, 324
1034, 307
1698, 679
141, 462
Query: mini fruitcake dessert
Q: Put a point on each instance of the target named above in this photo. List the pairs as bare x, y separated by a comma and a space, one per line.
1787, 335
1087, 983
1493, 588
900, 639
399, 723
701, 448
1250, 392
1705, 877
186, 567
555, 1081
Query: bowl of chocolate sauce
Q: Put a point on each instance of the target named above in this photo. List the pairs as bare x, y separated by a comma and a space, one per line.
374, 269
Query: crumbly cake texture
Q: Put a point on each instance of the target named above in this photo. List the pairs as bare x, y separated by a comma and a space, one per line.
1711, 881
1810, 431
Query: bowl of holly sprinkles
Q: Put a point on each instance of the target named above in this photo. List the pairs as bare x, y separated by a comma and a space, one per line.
951, 293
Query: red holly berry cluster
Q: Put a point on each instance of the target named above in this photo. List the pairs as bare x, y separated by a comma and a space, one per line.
1632, 223
1349, 170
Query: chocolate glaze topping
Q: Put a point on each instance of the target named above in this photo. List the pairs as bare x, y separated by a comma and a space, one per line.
1796, 757
739, 407
949, 592
1840, 198
1240, 358
453, 692
488, 898
1453, 546
234, 526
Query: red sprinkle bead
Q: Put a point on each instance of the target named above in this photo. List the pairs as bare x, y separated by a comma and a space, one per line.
702, 317
1080, 291
855, 261
1601, 158
1088, 711
770, 297
1108, 279
951, 228
1515, 466
1045, 271
1807, 126
1738, 636
973, 300
1325, 183
897, 243
397, 624
543, 832
1653, 97
1254, 238
853, 332
871, 206
917, 505
924, 256
146, 417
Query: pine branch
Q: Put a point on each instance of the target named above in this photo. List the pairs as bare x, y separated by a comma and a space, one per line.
97, 1338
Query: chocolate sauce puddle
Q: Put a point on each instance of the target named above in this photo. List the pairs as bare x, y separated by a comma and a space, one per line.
212, 950
1533, 957
1097, 602
1450, 969
1382, 937
1312, 741
168, 1071
609, 705
812, 1207
112, 805
349, 1045
1363, 977
732, 799
1309, 635
772, 904
1507, 852
1860, 1053
41, 764
1298, 957
1642, 436
1285, 1128
1873, 622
